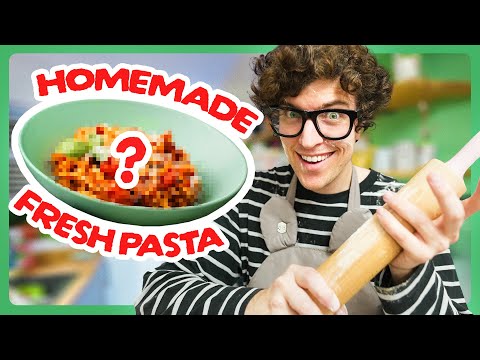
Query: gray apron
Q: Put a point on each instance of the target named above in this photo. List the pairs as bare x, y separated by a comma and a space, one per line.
278, 222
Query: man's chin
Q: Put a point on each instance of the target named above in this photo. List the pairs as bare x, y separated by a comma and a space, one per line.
311, 182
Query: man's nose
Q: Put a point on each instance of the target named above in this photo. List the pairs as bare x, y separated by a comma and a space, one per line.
309, 136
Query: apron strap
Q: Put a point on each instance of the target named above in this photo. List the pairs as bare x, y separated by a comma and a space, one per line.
292, 189
354, 195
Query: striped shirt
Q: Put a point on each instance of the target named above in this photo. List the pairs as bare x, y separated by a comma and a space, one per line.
217, 283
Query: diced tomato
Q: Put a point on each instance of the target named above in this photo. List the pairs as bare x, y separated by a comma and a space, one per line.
109, 167
168, 179
121, 196
100, 130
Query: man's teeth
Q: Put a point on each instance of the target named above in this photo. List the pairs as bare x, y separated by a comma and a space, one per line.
315, 159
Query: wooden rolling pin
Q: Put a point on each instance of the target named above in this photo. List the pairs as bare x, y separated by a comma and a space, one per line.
367, 251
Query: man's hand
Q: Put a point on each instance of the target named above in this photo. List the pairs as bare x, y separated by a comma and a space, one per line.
430, 237
293, 293
472, 204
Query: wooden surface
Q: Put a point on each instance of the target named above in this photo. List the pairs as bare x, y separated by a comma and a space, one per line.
80, 263
407, 175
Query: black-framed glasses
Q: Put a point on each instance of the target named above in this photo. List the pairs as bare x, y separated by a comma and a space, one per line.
331, 124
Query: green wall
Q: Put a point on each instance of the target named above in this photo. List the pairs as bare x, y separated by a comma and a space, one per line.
449, 124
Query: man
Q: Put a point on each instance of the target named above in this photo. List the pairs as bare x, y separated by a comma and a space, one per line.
318, 100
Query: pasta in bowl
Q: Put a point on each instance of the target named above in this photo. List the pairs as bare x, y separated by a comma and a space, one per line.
83, 163
213, 167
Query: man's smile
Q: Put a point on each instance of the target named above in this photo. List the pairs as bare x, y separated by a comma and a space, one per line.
313, 159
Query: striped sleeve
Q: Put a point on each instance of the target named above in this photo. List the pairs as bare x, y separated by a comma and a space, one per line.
433, 289
216, 283
213, 284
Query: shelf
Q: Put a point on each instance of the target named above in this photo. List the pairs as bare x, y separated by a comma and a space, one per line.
410, 92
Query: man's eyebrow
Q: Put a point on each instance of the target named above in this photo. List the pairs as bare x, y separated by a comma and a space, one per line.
335, 103
325, 105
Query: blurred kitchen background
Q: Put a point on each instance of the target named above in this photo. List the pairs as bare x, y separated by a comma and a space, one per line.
429, 117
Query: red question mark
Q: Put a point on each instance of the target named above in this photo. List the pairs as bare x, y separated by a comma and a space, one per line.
134, 150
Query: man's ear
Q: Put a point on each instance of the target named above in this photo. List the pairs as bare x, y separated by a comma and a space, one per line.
358, 134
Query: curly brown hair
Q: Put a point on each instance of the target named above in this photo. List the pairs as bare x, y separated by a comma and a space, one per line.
287, 69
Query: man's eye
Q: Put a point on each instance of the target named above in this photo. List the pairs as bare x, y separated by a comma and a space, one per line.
333, 115
293, 115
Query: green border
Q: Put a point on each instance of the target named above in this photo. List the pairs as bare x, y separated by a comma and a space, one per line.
8, 50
